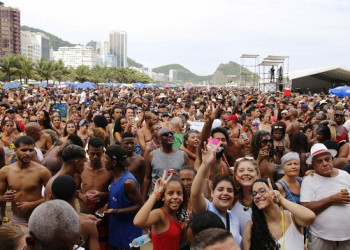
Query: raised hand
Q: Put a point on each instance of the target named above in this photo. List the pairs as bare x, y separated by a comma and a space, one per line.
208, 152
274, 194
161, 183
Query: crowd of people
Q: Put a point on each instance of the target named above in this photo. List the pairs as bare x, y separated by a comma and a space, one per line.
195, 168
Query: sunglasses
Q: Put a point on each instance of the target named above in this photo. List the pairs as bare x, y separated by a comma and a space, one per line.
266, 141
245, 159
261, 192
171, 133
25, 117
277, 127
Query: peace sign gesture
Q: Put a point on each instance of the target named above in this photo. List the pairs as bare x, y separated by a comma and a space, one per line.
274, 194
161, 182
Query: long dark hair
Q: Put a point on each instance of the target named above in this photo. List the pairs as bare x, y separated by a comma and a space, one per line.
183, 206
118, 125
261, 238
47, 121
256, 141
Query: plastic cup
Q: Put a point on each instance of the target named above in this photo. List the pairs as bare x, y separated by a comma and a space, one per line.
90, 194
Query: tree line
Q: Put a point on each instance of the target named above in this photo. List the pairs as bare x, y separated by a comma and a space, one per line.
19, 67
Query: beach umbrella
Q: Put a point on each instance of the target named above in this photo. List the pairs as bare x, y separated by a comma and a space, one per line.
173, 86
341, 91
11, 85
86, 85
138, 85
167, 86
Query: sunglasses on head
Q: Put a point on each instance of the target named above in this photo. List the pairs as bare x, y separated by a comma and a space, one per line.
168, 133
266, 141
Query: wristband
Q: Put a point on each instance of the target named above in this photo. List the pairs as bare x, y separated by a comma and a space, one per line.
116, 211
157, 195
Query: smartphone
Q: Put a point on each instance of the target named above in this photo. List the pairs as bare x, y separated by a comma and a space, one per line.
214, 141
244, 136
132, 119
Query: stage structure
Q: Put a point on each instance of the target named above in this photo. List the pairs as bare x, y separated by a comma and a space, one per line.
274, 74
248, 71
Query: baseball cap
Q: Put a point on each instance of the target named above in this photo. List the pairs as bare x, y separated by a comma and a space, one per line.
118, 153
165, 113
232, 118
304, 106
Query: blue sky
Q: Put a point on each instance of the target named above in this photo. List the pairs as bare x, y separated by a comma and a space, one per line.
202, 34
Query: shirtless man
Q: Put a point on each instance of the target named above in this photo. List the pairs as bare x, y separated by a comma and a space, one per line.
64, 188
21, 182
95, 178
52, 159
43, 141
144, 135
137, 163
231, 122
74, 158
293, 125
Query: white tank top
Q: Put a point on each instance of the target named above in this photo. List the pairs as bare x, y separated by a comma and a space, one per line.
293, 239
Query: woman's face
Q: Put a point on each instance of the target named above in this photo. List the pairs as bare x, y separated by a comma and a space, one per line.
40, 116
313, 120
292, 168
56, 121
267, 118
246, 173
70, 128
223, 195
173, 195
277, 135
260, 195
193, 140
8, 127
123, 123
308, 133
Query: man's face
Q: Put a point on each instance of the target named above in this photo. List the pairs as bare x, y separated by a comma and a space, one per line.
187, 177
79, 165
167, 137
25, 153
266, 141
319, 118
95, 155
323, 164
221, 137
277, 135
107, 162
339, 116
117, 113
153, 120
129, 113
2, 109
129, 144
192, 109
255, 113
248, 121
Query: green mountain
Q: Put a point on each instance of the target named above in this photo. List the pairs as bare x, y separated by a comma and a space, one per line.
132, 63
227, 72
183, 74
55, 41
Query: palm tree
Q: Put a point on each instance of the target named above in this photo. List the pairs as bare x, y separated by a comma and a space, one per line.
61, 71
109, 74
46, 69
123, 75
81, 73
8, 66
96, 73
25, 69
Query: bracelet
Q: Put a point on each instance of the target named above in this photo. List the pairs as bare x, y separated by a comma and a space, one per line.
157, 195
116, 211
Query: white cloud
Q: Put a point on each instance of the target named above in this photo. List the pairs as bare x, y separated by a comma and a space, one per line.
202, 34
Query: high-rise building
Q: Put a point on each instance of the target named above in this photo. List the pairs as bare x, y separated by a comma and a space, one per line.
35, 45
10, 31
78, 55
173, 76
118, 47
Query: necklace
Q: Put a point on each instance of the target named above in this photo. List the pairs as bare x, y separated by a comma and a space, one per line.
245, 207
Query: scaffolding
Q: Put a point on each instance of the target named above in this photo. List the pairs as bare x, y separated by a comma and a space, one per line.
274, 74
248, 72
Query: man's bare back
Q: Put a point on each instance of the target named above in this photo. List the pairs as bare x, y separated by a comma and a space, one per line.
137, 167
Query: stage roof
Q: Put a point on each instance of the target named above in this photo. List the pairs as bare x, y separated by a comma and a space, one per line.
334, 74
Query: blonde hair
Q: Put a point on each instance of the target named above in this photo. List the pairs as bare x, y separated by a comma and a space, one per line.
10, 236
243, 159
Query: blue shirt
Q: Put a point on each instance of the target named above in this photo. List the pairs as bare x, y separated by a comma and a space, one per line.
121, 227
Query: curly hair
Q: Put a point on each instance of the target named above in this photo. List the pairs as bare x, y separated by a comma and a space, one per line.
99, 132
47, 121
186, 135
100, 121
256, 141
261, 238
